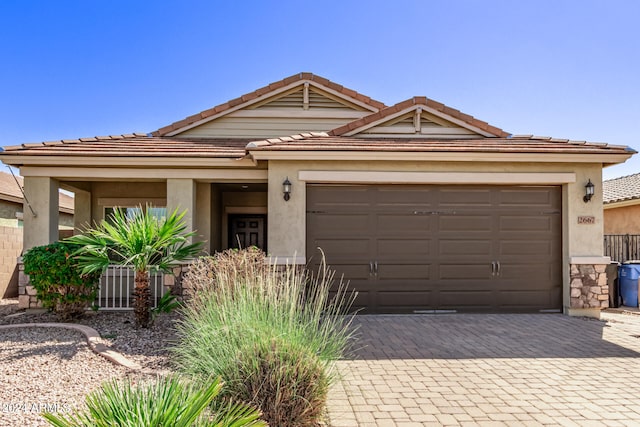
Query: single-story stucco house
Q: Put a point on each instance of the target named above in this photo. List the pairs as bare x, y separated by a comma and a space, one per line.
421, 207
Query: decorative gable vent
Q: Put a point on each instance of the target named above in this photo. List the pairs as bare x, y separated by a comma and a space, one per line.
306, 97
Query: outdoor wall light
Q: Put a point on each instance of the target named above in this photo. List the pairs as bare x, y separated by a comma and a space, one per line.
589, 190
286, 189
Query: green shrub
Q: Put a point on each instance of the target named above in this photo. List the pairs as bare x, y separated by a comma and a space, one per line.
272, 333
168, 401
58, 280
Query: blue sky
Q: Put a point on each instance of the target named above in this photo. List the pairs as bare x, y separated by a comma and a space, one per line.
561, 68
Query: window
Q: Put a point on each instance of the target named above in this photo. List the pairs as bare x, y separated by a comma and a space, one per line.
158, 212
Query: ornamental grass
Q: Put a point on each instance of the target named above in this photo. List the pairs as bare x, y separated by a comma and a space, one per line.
272, 333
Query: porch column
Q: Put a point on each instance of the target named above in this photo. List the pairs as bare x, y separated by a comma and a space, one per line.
181, 194
81, 211
203, 218
41, 224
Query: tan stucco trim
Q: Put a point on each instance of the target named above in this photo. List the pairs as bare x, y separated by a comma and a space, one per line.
590, 260
435, 177
286, 260
583, 312
621, 204
217, 175
130, 202
119, 162
438, 156
257, 210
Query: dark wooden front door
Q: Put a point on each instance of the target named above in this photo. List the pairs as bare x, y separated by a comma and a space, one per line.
247, 230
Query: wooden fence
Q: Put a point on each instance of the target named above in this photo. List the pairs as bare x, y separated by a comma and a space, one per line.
622, 247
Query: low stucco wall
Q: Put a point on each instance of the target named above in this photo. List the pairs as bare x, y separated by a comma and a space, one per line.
622, 220
10, 249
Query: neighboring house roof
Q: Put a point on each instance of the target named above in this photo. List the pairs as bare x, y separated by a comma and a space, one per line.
10, 191
265, 92
622, 189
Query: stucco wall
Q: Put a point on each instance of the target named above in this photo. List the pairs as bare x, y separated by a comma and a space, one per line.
623, 220
8, 209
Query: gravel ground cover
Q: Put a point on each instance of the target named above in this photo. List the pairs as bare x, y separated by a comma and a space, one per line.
53, 368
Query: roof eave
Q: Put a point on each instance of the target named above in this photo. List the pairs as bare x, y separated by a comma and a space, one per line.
19, 160
621, 203
467, 156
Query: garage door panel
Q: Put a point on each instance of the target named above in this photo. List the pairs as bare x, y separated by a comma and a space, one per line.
390, 301
464, 197
525, 298
407, 273
517, 248
528, 196
465, 247
335, 249
404, 249
469, 299
338, 197
362, 300
526, 223
339, 224
354, 273
403, 224
478, 224
461, 271
390, 199
515, 273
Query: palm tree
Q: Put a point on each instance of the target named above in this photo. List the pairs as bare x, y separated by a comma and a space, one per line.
141, 241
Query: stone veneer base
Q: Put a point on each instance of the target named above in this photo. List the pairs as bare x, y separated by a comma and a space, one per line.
588, 286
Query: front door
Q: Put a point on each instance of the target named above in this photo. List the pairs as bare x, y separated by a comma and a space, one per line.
247, 230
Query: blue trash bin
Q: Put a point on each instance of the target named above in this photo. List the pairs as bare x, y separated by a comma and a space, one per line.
628, 275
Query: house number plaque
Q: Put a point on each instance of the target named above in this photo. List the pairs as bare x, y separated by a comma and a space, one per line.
586, 220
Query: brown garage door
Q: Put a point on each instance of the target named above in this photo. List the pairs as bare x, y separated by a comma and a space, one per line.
409, 248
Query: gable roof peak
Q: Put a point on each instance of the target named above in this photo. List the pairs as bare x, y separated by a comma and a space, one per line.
413, 104
263, 93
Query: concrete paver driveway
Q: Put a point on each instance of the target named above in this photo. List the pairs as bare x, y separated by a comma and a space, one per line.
520, 369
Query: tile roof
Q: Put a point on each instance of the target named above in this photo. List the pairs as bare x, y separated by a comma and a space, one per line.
518, 144
264, 91
621, 189
418, 100
9, 190
8, 187
134, 145
142, 146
